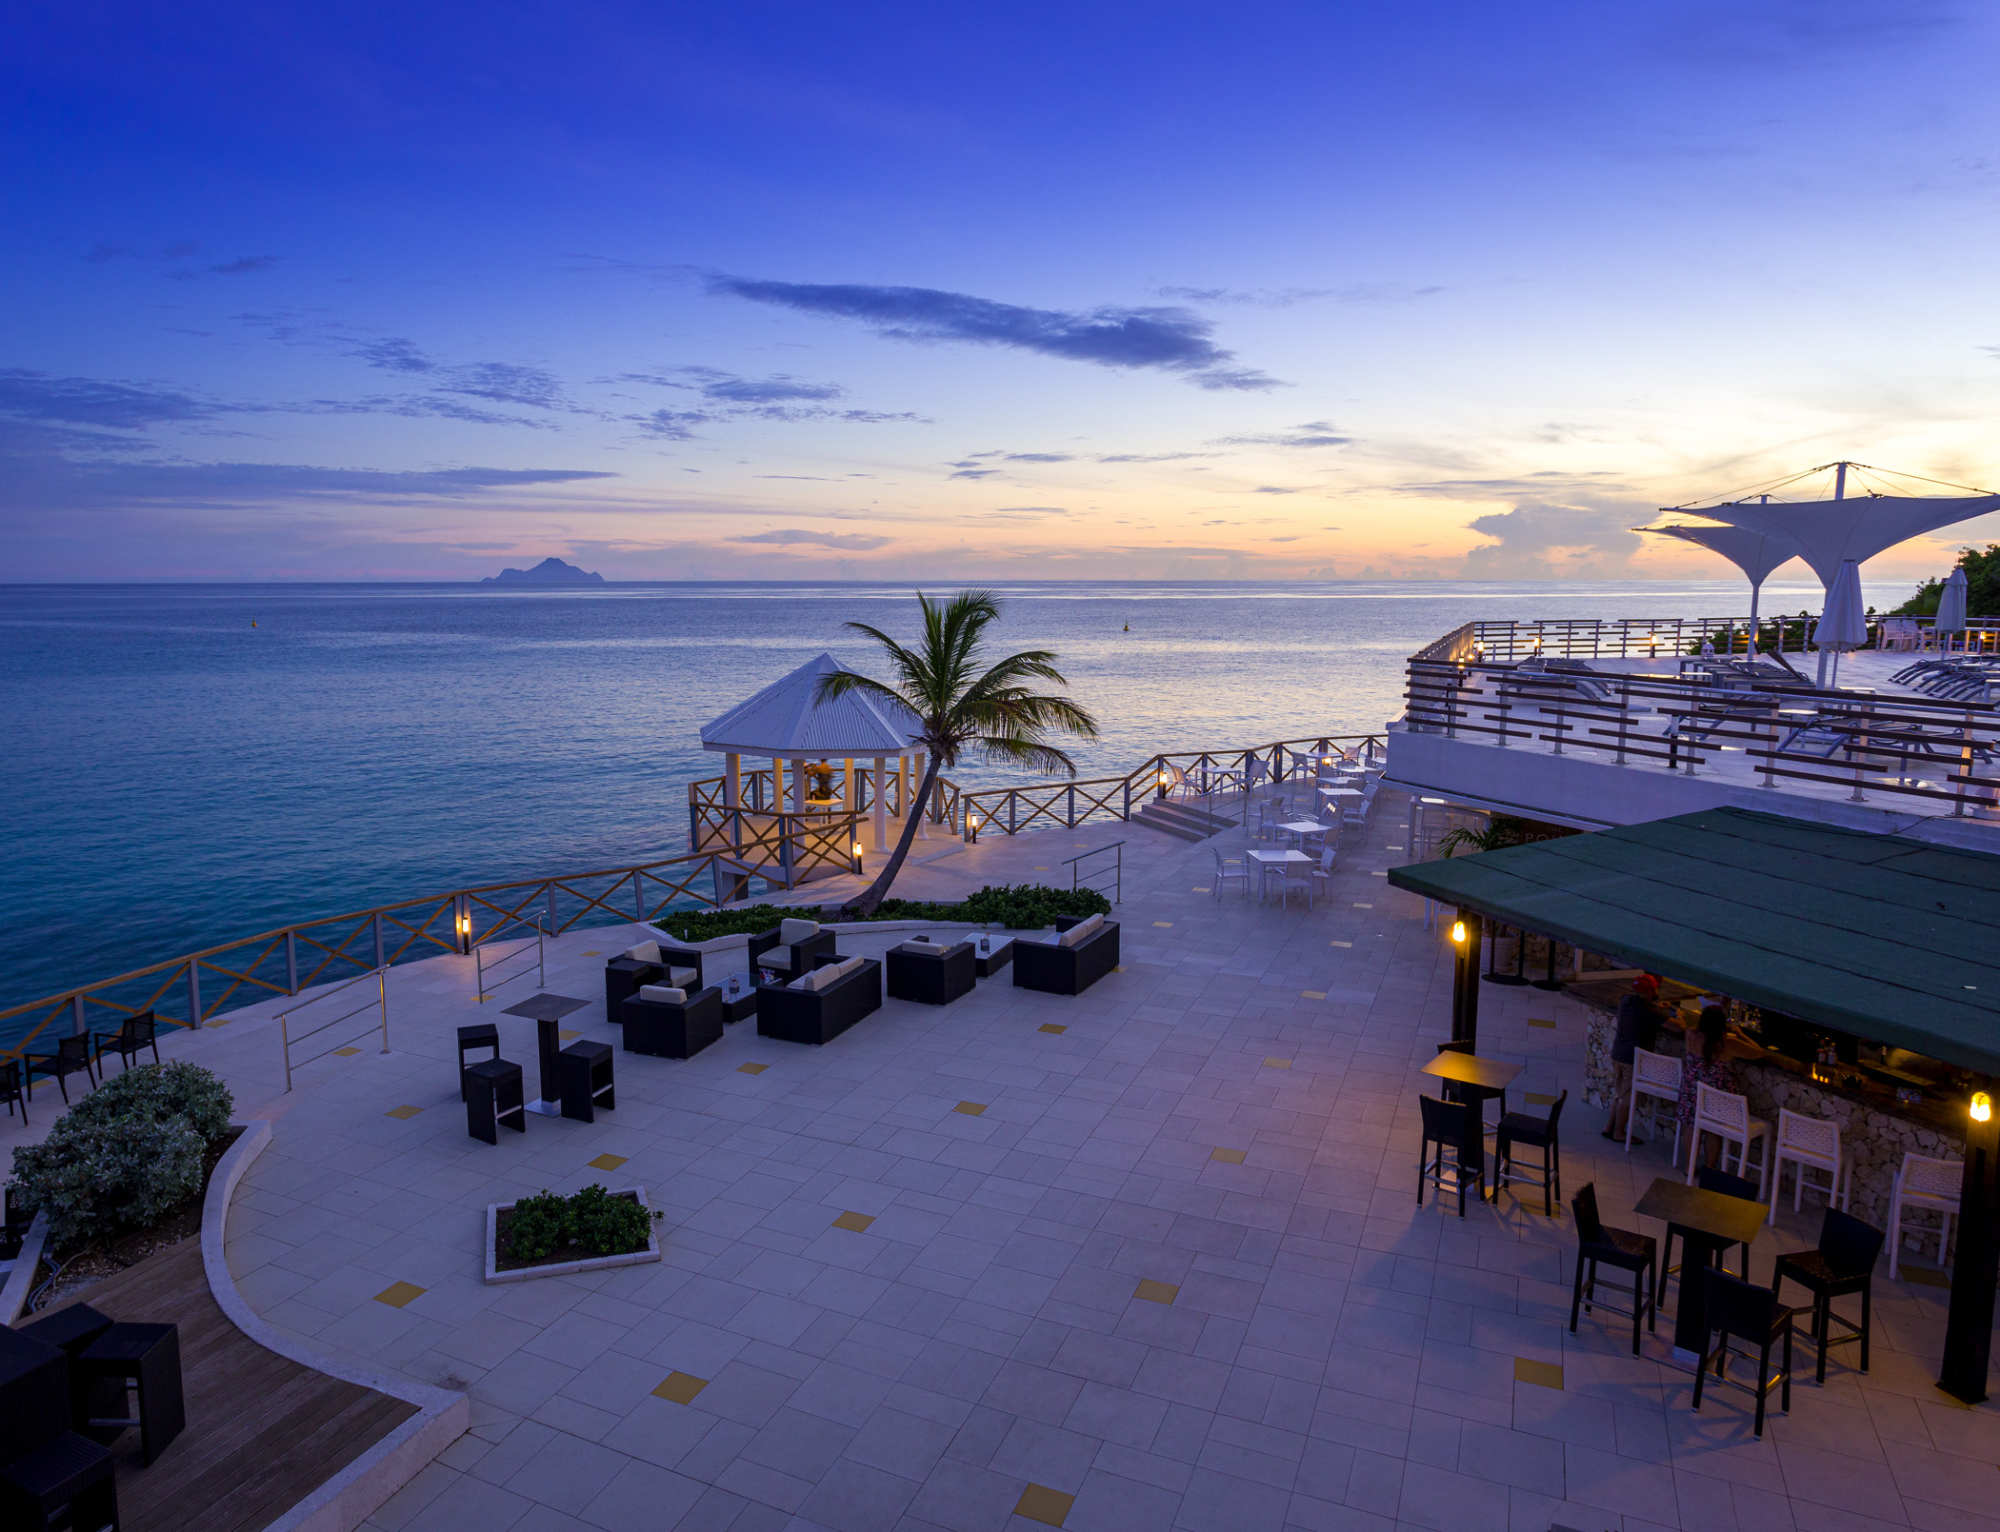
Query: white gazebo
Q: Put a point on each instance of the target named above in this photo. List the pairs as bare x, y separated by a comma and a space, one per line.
788, 722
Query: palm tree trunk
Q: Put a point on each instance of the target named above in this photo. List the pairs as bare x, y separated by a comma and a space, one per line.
870, 899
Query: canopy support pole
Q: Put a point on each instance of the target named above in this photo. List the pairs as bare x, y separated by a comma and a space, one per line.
1975, 1272
1839, 493
879, 801
1465, 983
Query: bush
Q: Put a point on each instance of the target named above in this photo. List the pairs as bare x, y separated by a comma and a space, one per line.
594, 1221
126, 1155
1026, 908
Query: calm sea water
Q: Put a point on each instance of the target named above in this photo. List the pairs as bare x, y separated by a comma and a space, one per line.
188, 764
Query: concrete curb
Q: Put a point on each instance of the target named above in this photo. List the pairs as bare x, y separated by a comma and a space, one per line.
843, 927
352, 1495
21, 1280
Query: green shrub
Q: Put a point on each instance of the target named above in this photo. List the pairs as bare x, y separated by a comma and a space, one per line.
158, 1092
1026, 908
594, 1221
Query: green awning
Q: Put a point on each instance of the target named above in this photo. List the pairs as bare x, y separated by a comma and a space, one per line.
1892, 939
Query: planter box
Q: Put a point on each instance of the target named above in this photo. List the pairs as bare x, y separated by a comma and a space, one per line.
566, 1268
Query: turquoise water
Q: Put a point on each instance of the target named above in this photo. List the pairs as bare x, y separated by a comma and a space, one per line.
189, 764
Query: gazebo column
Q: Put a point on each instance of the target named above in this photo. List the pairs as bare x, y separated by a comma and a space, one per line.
732, 794
798, 787
777, 783
916, 778
879, 802
1975, 1271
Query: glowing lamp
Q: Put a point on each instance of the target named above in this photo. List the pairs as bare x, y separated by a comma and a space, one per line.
1982, 1106
464, 925
857, 848
1458, 932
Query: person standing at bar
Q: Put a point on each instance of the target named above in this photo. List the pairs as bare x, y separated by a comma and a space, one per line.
1638, 1026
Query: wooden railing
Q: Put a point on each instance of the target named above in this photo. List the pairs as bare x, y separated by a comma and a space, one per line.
1909, 748
779, 848
201, 988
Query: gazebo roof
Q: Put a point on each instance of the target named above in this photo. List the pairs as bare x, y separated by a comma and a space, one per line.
787, 719
1890, 938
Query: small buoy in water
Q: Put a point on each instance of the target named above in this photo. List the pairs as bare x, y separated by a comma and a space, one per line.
1128, 627
253, 622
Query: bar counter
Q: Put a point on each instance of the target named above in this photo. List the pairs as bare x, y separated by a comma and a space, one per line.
1876, 1130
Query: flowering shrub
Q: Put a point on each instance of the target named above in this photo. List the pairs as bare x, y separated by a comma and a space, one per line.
593, 1222
126, 1155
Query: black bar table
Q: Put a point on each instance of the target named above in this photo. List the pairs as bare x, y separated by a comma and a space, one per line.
1476, 1078
545, 1010
1708, 1221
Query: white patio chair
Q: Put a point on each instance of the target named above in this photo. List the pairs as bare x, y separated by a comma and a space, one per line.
1656, 1080
1231, 869
1727, 1116
1923, 1185
1809, 1143
1321, 874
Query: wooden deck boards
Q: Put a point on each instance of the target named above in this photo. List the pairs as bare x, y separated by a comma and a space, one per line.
262, 1432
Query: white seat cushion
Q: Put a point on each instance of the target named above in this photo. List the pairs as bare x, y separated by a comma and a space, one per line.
920, 949
645, 952
1082, 931
775, 957
663, 994
794, 931
686, 978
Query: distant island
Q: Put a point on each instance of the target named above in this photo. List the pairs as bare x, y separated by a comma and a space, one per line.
548, 572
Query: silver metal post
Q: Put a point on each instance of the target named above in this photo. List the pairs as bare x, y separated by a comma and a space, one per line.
291, 962
194, 992
382, 980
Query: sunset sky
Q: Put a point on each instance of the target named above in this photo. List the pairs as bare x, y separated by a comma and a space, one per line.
874, 291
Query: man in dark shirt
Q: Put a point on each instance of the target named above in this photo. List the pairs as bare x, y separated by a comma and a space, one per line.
1638, 1026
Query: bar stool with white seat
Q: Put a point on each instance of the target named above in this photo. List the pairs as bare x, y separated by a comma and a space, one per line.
1923, 1185
1809, 1143
1727, 1116
1656, 1078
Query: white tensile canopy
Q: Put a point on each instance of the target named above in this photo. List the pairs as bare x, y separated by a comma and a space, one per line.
1755, 553
787, 721
1830, 533
1843, 621
1951, 603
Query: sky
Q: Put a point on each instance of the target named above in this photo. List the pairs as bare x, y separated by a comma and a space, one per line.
874, 291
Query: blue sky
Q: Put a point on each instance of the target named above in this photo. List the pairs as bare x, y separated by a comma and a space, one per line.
870, 291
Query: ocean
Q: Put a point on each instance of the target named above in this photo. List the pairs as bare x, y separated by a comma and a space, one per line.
188, 764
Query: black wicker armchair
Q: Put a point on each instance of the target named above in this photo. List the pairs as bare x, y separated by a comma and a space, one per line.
932, 974
1059, 969
792, 948
668, 1029
820, 1015
648, 963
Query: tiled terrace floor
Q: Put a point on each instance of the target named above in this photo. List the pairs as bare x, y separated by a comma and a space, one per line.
1148, 1258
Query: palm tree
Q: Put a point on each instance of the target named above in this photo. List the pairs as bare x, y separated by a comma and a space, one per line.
961, 708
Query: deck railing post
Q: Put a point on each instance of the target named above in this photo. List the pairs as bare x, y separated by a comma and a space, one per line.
1069, 810
77, 1024
291, 962
376, 921
638, 895
194, 992
552, 904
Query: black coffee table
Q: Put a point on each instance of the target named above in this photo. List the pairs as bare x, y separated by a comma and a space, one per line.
545, 1010
987, 964
740, 1006
1708, 1221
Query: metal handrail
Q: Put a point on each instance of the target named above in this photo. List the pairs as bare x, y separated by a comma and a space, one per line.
380, 1002
1116, 872
540, 941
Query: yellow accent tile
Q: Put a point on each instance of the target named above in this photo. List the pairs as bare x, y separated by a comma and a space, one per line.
1340, 944
1385, 848
399, 1294
606, 1162
1541, 1021
1926, 1276
1052, 1026
1157, 1292
1277, 1063
1378, 873
1541, 1374
1201, 890
593, 952
751, 1069
566, 1033
856, 1223
218, 1021
1539, 1098
1227, 1156
1040, 1503
345, 1053
1119, 969
1359, 905
1312, 994
404, 1112
970, 1108
482, 999
680, 1387
1041, 869
1164, 925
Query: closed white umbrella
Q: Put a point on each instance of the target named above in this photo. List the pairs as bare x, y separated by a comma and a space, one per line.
1951, 605
1843, 621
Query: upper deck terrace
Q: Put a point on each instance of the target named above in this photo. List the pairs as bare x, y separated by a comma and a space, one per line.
1605, 723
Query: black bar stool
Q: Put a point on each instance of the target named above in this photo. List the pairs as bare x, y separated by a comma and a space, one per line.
1843, 1263
1597, 1245
480, 1035
493, 1096
146, 1360
1523, 1129
1449, 1125
1752, 1314
583, 1071
64, 1483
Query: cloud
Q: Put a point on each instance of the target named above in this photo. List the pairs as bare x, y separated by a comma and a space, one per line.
769, 390
1292, 538
1151, 457
94, 402
1170, 339
507, 383
1020, 513
395, 355
243, 265
729, 396
809, 478
1038, 457
857, 542
671, 425
1548, 482
975, 473
1286, 297
1273, 489
1545, 537
1313, 433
